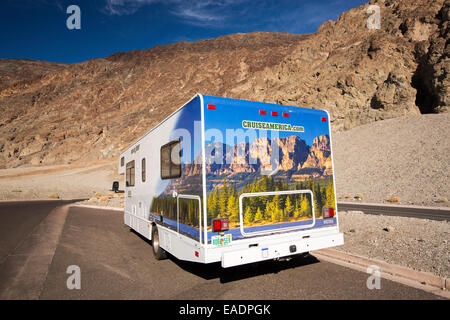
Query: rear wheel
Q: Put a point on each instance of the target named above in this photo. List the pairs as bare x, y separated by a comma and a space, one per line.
159, 252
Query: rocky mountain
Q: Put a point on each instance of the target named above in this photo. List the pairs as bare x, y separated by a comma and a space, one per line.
262, 155
319, 156
60, 113
361, 75
287, 158
94, 109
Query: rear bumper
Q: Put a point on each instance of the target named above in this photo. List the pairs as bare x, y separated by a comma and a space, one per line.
279, 250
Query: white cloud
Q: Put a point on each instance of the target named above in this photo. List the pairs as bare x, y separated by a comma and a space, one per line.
198, 13
292, 16
195, 12
125, 7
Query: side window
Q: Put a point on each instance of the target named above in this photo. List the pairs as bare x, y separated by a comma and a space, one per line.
143, 170
171, 160
130, 174
175, 166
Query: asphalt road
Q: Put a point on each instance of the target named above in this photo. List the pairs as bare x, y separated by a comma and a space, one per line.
19, 219
392, 210
116, 263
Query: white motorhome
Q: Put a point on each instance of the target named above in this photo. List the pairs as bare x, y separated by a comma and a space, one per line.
233, 181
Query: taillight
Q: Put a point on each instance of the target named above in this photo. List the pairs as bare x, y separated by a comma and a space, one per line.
220, 224
328, 212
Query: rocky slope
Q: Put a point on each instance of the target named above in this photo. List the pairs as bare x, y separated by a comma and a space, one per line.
96, 108
57, 113
405, 158
363, 75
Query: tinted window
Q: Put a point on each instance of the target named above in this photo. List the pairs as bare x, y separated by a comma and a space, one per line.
130, 174
143, 170
171, 160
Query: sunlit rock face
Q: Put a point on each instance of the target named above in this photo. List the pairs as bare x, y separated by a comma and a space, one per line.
60, 113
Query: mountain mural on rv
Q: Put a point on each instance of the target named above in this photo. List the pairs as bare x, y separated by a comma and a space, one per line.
244, 161
248, 168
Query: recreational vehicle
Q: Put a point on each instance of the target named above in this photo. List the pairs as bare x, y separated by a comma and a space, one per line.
233, 181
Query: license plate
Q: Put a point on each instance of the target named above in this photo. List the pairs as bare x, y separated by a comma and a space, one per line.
221, 241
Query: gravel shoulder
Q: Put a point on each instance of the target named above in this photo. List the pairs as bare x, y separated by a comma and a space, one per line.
61, 181
113, 200
406, 157
419, 244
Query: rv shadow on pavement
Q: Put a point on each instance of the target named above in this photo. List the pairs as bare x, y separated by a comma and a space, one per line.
215, 270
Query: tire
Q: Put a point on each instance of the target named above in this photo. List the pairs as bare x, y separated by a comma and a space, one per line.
159, 252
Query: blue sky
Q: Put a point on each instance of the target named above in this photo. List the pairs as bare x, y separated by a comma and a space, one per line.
36, 29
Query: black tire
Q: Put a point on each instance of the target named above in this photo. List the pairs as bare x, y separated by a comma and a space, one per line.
159, 252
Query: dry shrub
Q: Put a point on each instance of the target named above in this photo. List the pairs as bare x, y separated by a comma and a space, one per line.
393, 199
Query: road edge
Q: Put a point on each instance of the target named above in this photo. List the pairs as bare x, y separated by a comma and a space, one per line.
96, 207
42, 200
418, 279
390, 205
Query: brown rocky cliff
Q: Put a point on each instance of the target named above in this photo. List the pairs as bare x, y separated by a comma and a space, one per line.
361, 75
94, 109
57, 113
